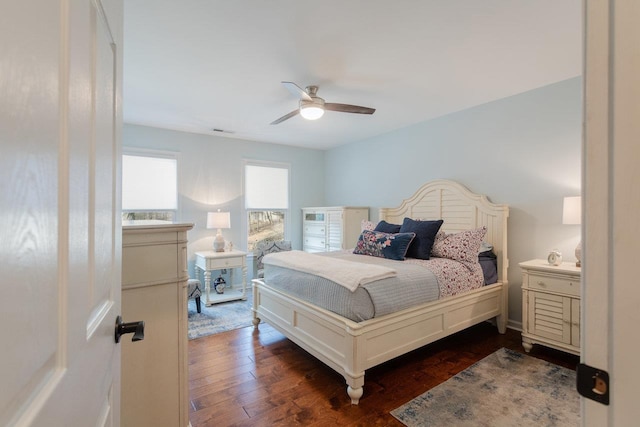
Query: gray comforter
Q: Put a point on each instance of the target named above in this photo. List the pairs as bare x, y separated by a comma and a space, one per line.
413, 285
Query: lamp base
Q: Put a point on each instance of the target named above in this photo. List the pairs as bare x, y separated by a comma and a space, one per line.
218, 242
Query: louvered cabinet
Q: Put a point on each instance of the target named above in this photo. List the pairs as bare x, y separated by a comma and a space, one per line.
551, 305
331, 228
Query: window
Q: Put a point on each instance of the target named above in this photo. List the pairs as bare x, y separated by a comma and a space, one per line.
149, 185
266, 201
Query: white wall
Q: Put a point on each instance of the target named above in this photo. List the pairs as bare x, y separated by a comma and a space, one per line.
210, 178
523, 151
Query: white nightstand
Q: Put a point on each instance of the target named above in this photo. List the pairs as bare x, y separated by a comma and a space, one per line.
208, 261
551, 305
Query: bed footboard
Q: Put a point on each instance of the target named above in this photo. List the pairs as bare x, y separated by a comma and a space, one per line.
350, 348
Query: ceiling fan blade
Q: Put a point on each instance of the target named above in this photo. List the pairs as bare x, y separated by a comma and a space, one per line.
297, 91
346, 108
285, 117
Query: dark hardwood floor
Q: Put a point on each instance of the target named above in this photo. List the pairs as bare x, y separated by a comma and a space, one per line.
257, 377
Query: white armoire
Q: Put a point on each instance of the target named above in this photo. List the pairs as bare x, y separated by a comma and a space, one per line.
331, 228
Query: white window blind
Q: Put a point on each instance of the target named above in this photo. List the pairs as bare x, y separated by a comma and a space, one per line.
266, 187
149, 183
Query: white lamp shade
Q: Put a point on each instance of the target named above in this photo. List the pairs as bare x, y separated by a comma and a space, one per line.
572, 210
311, 112
218, 220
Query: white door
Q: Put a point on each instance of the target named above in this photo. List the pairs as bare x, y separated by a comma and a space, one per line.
611, 230
60, 238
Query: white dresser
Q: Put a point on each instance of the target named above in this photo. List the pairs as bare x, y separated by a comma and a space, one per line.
331, 228
154, 289
551, 305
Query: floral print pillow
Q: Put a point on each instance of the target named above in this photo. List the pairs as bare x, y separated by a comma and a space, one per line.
463, 246
384, 245
367, 225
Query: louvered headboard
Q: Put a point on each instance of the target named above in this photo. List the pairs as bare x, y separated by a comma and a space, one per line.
461, 210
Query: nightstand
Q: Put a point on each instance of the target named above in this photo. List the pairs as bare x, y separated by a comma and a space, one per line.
551, 305
208, 261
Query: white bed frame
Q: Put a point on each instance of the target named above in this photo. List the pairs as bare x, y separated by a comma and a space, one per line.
350, 348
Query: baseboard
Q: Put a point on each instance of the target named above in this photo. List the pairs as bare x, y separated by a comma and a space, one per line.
516, 326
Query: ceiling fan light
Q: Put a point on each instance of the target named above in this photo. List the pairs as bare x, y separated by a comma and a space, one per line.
311, 112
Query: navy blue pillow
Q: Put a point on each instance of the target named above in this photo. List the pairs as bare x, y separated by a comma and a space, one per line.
425, 235
383, 245
385, 227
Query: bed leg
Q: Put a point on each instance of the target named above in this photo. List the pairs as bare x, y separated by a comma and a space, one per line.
501, 323
256, 299
355, 394
503, 317
256, 320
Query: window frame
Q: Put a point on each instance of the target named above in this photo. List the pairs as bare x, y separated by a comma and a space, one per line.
246, 211
162, 154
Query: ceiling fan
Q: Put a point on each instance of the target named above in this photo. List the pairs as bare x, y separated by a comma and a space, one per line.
312, 107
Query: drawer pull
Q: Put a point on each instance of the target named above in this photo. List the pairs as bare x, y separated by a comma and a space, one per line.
540, 283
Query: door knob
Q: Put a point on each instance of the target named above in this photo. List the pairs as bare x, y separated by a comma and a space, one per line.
135, 328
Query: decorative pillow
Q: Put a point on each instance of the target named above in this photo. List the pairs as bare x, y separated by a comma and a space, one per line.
425, 235
385, 227
462, 246
367, 225
384, 245
485, 247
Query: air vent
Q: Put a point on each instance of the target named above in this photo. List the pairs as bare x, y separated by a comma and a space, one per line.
221, 130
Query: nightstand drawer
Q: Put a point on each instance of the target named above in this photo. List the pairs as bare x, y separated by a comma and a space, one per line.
217, 264
550, 283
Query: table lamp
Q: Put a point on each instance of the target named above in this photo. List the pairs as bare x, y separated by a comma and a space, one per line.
572, 215
218, 220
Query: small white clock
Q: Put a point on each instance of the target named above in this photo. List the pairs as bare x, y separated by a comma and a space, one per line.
554, 258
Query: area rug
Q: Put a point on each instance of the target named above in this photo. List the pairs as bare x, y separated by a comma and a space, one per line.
218, 318
506, 388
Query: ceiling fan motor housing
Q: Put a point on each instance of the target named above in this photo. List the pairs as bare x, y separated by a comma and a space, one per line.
312, 90
315, 101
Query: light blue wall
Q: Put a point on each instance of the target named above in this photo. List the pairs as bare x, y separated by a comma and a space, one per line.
210, 178
524, 151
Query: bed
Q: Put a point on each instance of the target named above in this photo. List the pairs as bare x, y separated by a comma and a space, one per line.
350, 347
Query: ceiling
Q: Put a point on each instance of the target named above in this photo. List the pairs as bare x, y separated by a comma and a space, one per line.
196, 65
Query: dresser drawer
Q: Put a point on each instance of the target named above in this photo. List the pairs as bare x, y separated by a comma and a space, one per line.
552, 283
314, 242
314, 229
